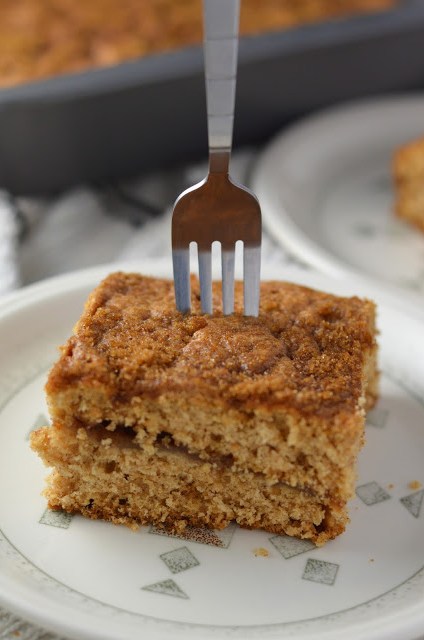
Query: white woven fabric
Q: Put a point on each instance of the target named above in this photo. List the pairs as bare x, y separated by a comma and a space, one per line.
9, 231
84, 227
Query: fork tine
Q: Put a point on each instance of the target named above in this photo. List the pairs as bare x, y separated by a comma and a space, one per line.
205, 277
251, 277
227, 262
181, 265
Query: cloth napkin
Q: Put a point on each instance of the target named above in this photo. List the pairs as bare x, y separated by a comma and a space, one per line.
87, 226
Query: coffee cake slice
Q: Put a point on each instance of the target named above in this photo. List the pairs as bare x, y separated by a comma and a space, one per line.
178, 420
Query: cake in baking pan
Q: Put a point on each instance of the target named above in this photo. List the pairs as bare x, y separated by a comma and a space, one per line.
44, 38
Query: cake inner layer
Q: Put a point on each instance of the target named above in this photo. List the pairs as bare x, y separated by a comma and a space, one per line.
289, 448
115, 479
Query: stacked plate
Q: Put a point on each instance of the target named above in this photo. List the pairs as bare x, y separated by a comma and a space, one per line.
326, 190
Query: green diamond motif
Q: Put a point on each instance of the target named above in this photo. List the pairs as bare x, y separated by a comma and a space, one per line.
377, 417
365, 230
290, 547
371, 493
413, 502
179, 560
201, 535
320, 571
168, 588
59, 519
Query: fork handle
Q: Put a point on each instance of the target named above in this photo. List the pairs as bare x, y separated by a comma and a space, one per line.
221, 26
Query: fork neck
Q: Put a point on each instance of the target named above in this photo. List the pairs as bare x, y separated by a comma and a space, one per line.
219, 161
221, 27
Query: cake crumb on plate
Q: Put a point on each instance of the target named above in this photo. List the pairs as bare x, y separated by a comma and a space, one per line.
261, 551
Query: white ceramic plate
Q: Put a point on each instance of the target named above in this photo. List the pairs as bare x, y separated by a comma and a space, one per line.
86, 579
326, 191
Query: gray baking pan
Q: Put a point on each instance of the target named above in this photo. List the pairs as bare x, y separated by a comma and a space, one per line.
116, 122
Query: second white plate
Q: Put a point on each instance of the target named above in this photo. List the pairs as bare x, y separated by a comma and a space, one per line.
326, 191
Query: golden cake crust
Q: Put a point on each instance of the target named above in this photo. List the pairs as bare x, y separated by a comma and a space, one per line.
305, 352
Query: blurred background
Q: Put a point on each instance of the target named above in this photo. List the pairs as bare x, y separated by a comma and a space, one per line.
102, 110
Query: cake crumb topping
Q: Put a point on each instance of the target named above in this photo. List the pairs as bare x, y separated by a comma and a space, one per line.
297, 353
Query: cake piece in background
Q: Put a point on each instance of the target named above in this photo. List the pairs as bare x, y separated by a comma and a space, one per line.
408, 173
175, 420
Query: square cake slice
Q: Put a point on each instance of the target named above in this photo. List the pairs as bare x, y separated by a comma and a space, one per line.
175, 420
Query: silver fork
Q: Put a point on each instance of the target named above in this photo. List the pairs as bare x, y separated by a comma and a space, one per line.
217, 208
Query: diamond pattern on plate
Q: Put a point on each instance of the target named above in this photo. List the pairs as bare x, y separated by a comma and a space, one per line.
377, 417
371, 493
214, 537
179, 560
59, 519
364, 230
413, 502
290, 547
320, 571
168, 588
